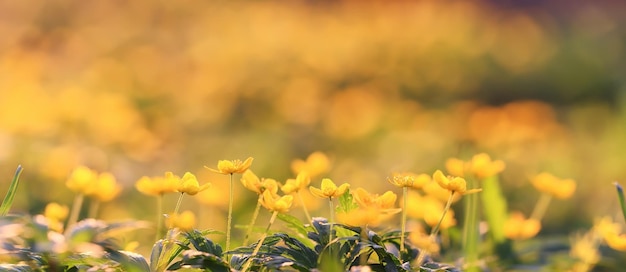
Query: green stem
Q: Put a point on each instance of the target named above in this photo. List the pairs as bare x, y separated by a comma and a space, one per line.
159, 226
180, 200
306, 211
541, 207
470, 228
405, 192
230, 216
330, 226
76, 206
94, 206
258, 245
433, 233
254, 216
620, 195
494, 207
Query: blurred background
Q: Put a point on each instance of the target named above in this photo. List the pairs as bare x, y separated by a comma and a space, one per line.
143, 87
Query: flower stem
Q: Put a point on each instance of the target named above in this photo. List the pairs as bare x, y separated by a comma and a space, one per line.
433, 233
541, 207
76, 206
306, 211
230, 216
254, 216
405, 191
94, 206
470, 228
159, 227
180, 200
330, 226
260, 243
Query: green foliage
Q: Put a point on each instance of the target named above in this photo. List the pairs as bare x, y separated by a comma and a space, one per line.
8, 199
346, 202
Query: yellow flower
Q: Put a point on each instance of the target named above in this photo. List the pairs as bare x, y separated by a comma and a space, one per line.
483, 167
433, 189
276, 203
230, 167
189, 184
184, 221
329, 189
294, 185
559, 188
409, 180
452, 184
158, 185
106, 187
428, 208
251, 182
317, 163
82, 180
517, 227
56, 211
365, 216
423, 240
456, 167
610, 232
367, 200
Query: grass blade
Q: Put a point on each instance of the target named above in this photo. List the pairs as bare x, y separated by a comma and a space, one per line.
620, 194
8, 199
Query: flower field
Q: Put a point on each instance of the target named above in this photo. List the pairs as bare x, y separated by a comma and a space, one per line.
312, 135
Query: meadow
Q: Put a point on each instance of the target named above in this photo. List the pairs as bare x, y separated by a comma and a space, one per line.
214, 135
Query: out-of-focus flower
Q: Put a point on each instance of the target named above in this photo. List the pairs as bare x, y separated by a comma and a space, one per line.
251, 182
611, 233
82, 180
106, 187
585, 249
409, 180
433, 189
423, 240
428, 208
184, 221
329, 189
227, 167
56, 211
456, 167
517, 227
158, 185
276, 203
316, 163
367, 200
366, 216
559, 188
189, 184
302, 180
483, 167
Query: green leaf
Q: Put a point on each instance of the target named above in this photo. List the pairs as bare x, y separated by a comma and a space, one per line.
8, 199
295, 224
346, 203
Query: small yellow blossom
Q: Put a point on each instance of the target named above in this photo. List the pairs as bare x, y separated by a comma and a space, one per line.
189, 184
452, 184
106, 187
317, 163
56, 211
276, 203
329, 189
517, 227
456, 167
585, 249
559, 188
367, 200
429, 209
410, 180
610, 232
424, 241
483, 167
251, 182
366, 216
158, 185
227, 167
82, 180
302, 180
184, 221
433, 189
